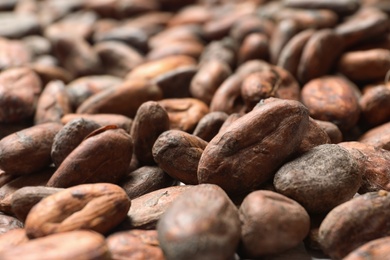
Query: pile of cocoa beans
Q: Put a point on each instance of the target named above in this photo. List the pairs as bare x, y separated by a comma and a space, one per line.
195, 129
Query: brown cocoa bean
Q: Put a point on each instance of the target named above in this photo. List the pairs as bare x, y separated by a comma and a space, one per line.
8, 223
178, 154
103, 156
255, 46
332, 130
290, 55
363, 25
332, 98
342, 7
365, 65
209, 125
32, 145
220, 162
283, 32
124, 99
184, 113
69, 137
176, 47
13, 53
308, 18
135, 244
76, 24
319, 55
150, 121
76, 55
209, 77
80, 244
83, 87
85, 206
117, 58
375, 105
314, 136
379, 136
375, 165
263, 218
53, 103
180, 234
13, 238
320, 179
25, 198
20, 88
147, 209
336, 234
7, 190
152, 69
375, 249
101, 119
176, 83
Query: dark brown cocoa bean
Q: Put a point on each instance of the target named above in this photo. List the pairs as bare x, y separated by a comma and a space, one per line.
283, 32
319, 55
255, 46
117, 58
332, 130
209, 125
103, 156
76, 55
342, 7
290, 55
150, 121
320, 179
145, 179
176, 83
69, 137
